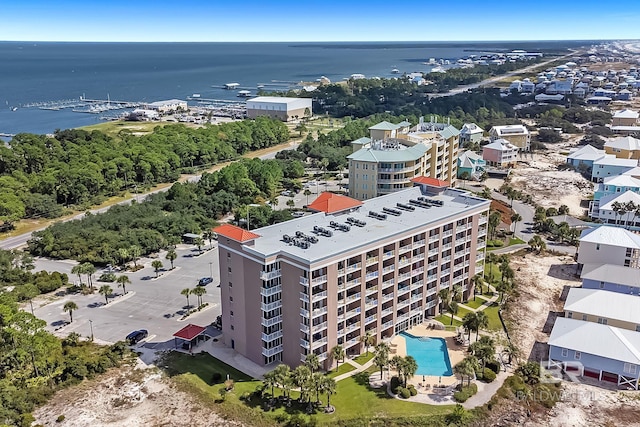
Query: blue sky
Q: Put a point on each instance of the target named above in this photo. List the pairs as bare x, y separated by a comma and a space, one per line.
285, 20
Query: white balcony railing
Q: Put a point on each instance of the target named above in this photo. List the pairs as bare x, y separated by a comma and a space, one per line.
272, 321
272, 336
267, 292
269, 275
268, 352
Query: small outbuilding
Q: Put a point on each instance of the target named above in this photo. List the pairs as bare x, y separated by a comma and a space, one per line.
189, 336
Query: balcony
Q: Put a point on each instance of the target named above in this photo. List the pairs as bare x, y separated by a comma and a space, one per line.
352, 283
431, 304
416, 285
403, 303
272, 336
304, 328
403, 262
388, 254
433, 264
446, 259
447, 233
352, 327
388, 268
267, 292
402, 317
352, 313
419, 244
304, 281
387, 297
434, 251
320, 327
432, 291
352, 298
403, 276
319, 343
268, 352
371, 290
319, 311
354, 267
388, 283
304, 297
319, 279
405, 248
370, 319
370, 303
387, 325
416, 298
372, 260
417, 271
268, 275
271, 306
319, 296
386, 311
372, 275
432, 277
447, 246
483, 220
340, 271
272, 321
304, 313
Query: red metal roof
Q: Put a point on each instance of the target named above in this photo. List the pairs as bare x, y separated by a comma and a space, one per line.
235, 233
331, 202
425, 180
189, 332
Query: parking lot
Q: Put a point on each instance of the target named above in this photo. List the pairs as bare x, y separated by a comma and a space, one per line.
151, 303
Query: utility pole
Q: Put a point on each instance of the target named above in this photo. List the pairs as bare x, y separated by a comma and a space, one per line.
91, 326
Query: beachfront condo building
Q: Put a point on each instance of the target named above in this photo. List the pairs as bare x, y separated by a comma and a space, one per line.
395, 154
349, 269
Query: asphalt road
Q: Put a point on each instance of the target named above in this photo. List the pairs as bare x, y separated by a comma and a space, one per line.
151, 303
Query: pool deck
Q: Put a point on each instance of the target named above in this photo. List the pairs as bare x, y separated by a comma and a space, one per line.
456, 354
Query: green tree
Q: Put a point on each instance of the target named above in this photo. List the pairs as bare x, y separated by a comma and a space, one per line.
157, 265
88, 269
124, 255
368, 340
171, 256
493, 222
301, 377
537, 243
307, 193
312, 362
123, 281
270, 381
329, 387
482, 322
186, 292
135, 252
470, 322
409, 368
444, 295
105, 290
79, 270
209, 236
381, 358
291, 204
283, 377
337, 354
515, 219
452, 308
199, 291
199, 242
467, 367
70, 306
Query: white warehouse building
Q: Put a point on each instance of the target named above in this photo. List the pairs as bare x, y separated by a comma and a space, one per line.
285, 109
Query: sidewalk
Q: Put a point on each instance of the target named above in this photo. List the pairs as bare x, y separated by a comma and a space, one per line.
359, 368
486, 391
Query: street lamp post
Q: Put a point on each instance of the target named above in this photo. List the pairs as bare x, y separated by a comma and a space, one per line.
91, 326
211, 269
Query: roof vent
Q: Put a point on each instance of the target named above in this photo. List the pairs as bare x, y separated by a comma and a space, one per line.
405, 207
392, 211
377, 215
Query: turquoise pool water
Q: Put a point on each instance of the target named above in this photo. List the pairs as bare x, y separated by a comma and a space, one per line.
430, 353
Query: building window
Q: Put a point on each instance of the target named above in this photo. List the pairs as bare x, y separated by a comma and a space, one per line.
231, 312
597, 246
565, 352
228, 254
602, 321
630, 368
230, 298
232, 328
229, 269
570, 315
230, 284
601, 285
577, 355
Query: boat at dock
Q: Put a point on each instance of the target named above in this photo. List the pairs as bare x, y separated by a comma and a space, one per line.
230, 86
244, 93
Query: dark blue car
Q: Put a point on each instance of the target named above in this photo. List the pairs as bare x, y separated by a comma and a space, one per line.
136, 336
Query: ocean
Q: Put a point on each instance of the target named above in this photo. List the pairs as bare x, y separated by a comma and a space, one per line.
36, 73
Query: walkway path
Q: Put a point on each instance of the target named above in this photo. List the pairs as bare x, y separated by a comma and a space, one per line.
486, 391
359, 368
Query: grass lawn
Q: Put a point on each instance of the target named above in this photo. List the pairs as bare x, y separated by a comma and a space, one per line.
112, 128
342, 369
446, 320
494, 320
474, 304
364, 357
491, 271
515, 241
353, 398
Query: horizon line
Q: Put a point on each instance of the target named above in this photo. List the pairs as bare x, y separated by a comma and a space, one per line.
321, 41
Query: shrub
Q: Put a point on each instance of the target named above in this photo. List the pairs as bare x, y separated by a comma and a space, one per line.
495, 243
488, 375
412, 390
395, 383
216, 377
107, 277
60, 418
466, 392
494, 366
404, 392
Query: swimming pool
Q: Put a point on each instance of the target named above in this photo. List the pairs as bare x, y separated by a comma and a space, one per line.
430, 353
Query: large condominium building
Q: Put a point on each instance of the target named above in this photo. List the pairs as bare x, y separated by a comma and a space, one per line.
352, 268
396, 153
517, 135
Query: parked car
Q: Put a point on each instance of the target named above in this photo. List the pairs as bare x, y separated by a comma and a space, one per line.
137, 336
205, 281
297, 214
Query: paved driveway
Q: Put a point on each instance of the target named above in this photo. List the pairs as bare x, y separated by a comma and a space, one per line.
151, 303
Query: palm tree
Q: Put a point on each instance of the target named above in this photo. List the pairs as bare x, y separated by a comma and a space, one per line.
337, 354
409, 367
456, 293
317, 382
70, 306
452, 308
477, 281
491, 259
537, 243
135, 252
307, 193
484, 349
78, 269
482, 322
312, 362
124, 255
123, 281
397, 363
470, 322
282, 373
381, 360
512, 351
157, 265
291, 204
105, 290
467, 367
198, 292
368, 340
444, 295
209, 236
300, 378
329, 387
515, 219
89, 269
493, 222
199, 242
186, 292
171, 256
270, 380
465, 176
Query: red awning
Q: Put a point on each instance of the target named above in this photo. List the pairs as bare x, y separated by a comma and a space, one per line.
189, 332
